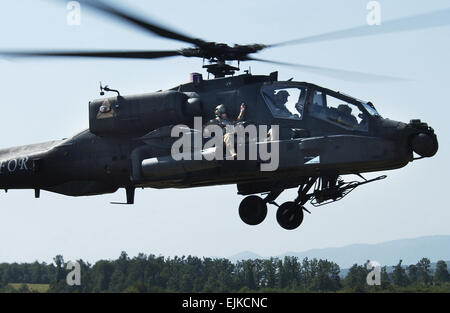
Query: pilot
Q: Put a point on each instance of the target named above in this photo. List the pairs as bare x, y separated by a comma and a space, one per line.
346, 115
281, 98
222, 120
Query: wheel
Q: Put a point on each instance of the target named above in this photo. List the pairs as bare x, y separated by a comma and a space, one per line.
290, 215
253, 210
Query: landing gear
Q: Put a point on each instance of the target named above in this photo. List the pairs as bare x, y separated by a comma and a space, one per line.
290, 215
327, 188
253, 210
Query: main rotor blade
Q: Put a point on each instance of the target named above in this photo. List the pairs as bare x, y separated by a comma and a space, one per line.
94, 54
423, 21
152, 27
352, 76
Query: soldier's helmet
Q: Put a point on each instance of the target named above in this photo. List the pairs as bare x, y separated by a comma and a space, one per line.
220, 109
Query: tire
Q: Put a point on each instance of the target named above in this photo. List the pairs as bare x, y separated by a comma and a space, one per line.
290, 215
253, 210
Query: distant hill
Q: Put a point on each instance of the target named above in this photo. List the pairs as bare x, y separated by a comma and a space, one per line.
387, 253
246, 255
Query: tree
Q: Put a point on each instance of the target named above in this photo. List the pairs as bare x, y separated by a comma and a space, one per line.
412, 274
399, 277
308, 272
290, 273
424, 271
249, 274
441, 274
385, 279
356, 278
59, 262
102, 271
269, 270
327, 278
156, 274
120, 273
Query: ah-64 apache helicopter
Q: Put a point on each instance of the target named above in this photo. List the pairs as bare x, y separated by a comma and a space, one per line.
323, 134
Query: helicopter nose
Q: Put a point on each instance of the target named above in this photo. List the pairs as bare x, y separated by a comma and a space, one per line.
424, 141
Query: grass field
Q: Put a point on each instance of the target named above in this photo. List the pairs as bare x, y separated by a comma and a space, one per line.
31, 287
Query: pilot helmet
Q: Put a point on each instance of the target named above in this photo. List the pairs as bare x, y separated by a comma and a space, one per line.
282, 94
345, 109
220, 109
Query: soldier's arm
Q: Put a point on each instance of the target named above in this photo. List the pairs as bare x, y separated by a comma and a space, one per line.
241, 114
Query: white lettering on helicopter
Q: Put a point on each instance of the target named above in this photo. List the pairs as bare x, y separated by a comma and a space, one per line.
14, 165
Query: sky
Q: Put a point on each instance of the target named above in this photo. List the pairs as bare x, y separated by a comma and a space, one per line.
48, 99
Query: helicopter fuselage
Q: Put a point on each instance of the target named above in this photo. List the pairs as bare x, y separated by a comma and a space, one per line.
129, 142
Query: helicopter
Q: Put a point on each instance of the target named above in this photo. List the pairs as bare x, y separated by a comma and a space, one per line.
319, 135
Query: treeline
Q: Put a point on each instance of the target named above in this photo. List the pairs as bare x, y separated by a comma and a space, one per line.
192, 274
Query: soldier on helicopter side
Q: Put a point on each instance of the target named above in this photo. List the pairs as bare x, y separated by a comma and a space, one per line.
223, 121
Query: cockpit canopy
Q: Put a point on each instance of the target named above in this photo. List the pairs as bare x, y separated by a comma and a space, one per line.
294, 102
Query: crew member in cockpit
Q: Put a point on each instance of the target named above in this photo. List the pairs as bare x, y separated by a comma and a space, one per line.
281, 98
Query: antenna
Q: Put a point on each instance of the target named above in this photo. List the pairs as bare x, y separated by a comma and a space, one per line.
102, 93
106, 88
